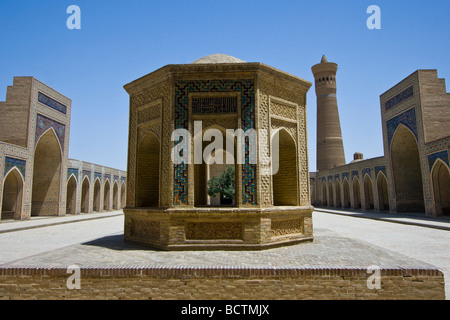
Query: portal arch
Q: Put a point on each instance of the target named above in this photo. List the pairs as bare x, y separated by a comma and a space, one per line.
47, 175
407, 171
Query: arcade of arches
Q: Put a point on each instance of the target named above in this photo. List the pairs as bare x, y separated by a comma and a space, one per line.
36, 176
413, 175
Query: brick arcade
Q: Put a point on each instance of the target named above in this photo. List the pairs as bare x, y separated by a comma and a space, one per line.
413, 175
36, 176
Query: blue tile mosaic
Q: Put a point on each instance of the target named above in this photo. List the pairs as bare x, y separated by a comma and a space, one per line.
18, 163
407, 118
98, 175
404, 95
73, 171
380, 168
432, 158
367, 171
49, 102
345, 175
44, 123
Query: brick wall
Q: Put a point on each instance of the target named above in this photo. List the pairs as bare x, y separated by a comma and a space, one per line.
225, 284
285, 181
15, 112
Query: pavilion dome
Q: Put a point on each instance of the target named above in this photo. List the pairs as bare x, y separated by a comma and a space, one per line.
217, 58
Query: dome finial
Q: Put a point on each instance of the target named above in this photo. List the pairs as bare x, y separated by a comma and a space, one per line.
324, 59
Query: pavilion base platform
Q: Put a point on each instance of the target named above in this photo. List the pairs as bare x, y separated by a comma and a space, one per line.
330, 267
224, 228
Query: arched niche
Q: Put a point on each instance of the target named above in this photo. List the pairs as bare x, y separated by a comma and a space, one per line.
12, 195
148, 172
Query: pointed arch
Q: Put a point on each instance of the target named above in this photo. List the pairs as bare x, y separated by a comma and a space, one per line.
71, 195
115, 196
285, 181
12, 198
440, 177
356, 193
96, 198
346, 191
324, 194
47, 168
107, 196
147, 171
407, 172
383, 194
85, 195
338, 203
123, 195
53, 132
368, 193
330, 195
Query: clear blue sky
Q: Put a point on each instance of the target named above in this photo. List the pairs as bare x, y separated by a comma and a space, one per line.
121, 41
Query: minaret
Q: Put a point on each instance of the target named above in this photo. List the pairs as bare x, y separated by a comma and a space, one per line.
330, 148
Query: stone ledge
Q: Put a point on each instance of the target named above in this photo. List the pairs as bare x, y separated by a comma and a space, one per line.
200, 272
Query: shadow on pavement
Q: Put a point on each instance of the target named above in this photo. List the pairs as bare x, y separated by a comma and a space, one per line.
116, 242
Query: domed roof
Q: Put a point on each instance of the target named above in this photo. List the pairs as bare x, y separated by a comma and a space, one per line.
218, 58
324, 59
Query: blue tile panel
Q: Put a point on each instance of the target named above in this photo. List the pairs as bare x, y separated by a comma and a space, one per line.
382, 169
98, 175
18, 163
86, 173
407, 118
367, 171
49, 102
73, 171
432, 158
345, 175
43, 124
404, 95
